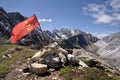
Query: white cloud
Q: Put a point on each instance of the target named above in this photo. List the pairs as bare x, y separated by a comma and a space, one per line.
104, 19
115, 4
99, 35
45, 20
108, 13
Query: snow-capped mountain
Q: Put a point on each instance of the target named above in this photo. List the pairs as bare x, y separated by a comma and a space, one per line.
68, 38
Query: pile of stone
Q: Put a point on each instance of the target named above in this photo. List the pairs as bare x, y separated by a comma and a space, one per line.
52, 57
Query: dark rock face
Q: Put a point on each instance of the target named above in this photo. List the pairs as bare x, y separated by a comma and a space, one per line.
16, 17
5, 23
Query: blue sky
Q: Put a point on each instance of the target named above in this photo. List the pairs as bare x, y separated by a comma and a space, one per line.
99, 17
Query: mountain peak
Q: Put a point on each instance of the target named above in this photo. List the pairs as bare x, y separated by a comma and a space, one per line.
2, 10
112, 37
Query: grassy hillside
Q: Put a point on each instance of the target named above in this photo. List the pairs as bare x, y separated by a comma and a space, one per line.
18, 56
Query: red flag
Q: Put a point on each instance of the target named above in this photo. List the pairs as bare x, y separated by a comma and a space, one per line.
23, 28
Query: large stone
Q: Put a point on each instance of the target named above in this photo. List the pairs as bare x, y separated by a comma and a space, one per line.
46, 52
36, 57
61, 50
62, 57
51, 61
38, 68
72, 59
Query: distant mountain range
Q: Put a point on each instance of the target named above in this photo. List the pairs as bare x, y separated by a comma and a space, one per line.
72, 38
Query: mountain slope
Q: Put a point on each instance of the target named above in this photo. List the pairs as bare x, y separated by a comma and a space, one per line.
109, 48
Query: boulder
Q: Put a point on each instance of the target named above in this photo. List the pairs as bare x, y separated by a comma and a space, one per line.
46, 52
38, 68
63, 58
52, 61
36, 57
72, 59
61, 50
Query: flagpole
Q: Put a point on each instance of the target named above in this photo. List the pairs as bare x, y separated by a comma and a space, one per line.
45, 35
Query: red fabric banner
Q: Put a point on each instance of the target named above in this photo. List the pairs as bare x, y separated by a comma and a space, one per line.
23, 28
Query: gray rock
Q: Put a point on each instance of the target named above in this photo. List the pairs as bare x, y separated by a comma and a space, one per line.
38, 68
63, 58
36, 57
72, 59
51, 61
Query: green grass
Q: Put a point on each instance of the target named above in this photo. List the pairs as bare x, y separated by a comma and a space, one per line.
66, 72
95, 74
20, 56
72, 73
